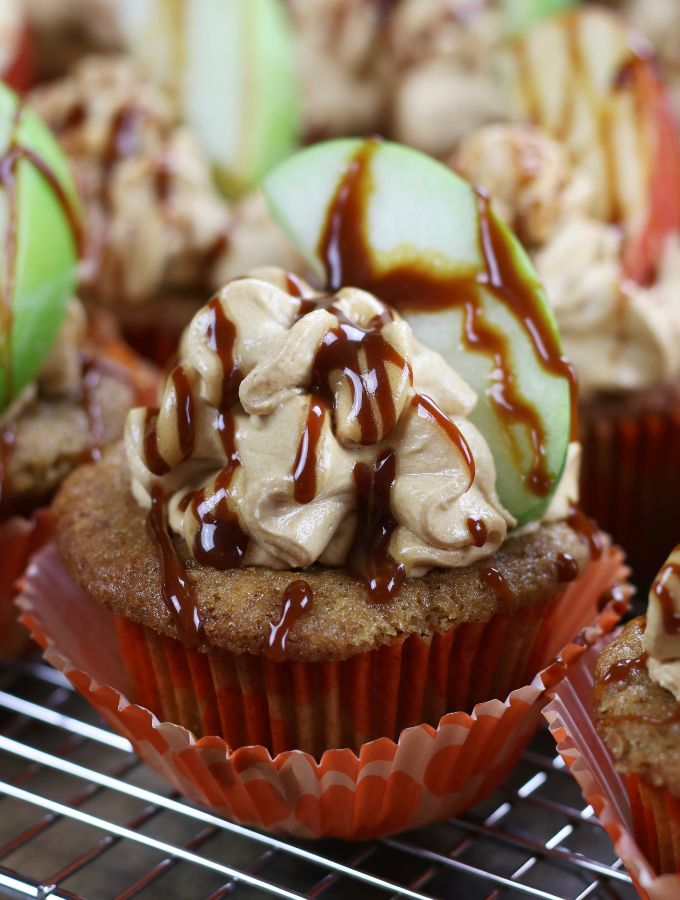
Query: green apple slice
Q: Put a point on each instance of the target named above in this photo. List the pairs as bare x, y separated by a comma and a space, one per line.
391, 220
39, 218
517, 17
231, 65
593, 84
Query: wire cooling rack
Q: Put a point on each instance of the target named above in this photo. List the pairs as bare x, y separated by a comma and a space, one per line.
82, 817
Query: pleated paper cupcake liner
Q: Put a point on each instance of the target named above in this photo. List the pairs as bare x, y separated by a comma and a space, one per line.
386, 786
643, 822
630, 479
20, 538
314, 706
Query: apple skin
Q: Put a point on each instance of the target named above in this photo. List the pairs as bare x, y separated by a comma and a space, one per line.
46, 248
517, 17
421, 215
18, 72
593, 84
231, 65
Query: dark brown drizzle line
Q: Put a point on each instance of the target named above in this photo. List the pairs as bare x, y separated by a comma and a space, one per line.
660, 589
346, 254
14, 154
298, 600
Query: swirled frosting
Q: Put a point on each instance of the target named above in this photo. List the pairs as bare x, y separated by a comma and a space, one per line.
618, 334
301, 429
662, 632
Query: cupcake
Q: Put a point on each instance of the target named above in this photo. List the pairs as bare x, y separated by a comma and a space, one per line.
589, 174
635, 708
324, 543
64, 393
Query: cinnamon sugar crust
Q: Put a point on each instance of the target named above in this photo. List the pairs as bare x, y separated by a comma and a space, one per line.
637, 719
103, 540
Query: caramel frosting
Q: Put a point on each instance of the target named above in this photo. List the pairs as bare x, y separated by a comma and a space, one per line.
340, 62
155, 220
296, 422
618, 334
444, 87
662, 633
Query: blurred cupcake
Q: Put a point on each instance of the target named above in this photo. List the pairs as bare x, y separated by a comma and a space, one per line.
636, 698
159, 235
591, 188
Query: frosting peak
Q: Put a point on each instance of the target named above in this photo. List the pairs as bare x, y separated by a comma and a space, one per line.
295, 423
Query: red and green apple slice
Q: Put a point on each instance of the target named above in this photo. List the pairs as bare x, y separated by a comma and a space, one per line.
389, 219
38, 249
593, 84
231, 65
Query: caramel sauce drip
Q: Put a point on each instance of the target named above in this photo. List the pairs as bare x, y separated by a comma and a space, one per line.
221, 334
7, 443
298, 600
304, 467
478, 531
152, 455
425, 405
495, 579
369, 557
186, 429
9, 162
671, 617
624, 669
123, 139
178, 589
588, 529
220, 541
346, 254
91, 404
566, 566
363, 356
294, 286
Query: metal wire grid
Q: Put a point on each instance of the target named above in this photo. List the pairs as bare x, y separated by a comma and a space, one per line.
81, 817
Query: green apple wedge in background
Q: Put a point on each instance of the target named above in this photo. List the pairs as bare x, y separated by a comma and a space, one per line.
518, 15
420, 214
44, 263
231, 66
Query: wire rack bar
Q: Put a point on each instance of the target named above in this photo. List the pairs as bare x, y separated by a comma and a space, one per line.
85, 784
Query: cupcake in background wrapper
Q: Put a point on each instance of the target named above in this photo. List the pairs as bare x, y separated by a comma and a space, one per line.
614, 719
427, 774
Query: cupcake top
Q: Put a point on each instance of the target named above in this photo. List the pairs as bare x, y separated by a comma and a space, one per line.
302, 428
636, 695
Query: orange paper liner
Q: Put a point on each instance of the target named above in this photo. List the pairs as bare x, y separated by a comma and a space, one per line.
314, 706
387, 786
20, 538
630, 481
624, 809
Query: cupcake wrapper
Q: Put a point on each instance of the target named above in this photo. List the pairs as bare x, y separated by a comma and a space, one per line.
630, 482
625, 807
388, 786
20, 538
312, 706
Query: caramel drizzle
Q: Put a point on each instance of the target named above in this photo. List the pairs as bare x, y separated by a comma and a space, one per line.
184, 407
495, 579
304, 468
588, 529
428, 409
179, 593
345, 252
566, 567
661, 590
343, 349
478, 531
369, 558
91, 404
221, 335
298, 600
9, 162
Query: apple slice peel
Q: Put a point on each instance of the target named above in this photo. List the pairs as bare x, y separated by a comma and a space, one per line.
390, 220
